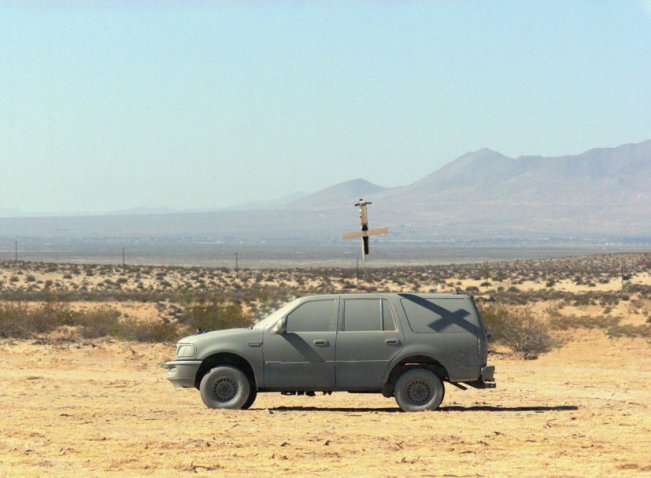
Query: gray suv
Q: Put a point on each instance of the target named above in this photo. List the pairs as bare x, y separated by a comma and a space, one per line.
401, 345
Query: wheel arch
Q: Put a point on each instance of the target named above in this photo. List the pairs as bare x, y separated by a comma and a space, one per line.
225, 358
409, 362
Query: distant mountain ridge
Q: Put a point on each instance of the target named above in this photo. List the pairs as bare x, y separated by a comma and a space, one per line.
480, 196
605, 191
596, 175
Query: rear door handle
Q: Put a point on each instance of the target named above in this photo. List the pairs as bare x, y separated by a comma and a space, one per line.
321, 342
392, 342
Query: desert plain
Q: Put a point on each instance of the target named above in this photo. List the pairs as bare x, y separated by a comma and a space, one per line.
80, 404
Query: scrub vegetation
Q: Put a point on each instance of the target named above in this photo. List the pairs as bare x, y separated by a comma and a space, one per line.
528, 305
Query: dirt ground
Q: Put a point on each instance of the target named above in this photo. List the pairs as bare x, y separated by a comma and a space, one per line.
106, 409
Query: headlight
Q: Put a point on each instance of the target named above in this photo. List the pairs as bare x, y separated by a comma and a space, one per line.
185, 350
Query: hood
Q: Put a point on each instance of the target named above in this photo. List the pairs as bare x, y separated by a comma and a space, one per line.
216, 335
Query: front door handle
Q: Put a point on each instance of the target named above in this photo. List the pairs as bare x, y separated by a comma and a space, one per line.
392, 342
321, 342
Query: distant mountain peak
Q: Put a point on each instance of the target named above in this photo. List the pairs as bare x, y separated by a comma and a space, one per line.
338, 195
358, 182
481, 154
484, 151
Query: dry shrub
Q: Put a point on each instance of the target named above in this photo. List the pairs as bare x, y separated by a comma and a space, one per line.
98, 323
105, 322
18, 320
214, 315
131, 329
517, 328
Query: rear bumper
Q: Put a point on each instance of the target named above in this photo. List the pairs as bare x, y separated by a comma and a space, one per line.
182, 373
486, 380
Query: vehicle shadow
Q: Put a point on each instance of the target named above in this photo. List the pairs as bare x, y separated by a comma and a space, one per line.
333, 409
452, 408
488, 408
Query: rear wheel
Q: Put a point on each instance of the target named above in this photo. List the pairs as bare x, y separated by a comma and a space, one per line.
419, 390
226, 387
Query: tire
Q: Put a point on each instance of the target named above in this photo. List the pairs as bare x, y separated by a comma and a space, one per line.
419, 390
226, 387
252, 395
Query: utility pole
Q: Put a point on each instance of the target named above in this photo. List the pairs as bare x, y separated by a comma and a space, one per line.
622, 278
236, 262
357, 272
625, 277
16, 252
124, 257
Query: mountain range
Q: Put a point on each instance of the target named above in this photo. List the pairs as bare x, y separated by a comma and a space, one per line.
602, 193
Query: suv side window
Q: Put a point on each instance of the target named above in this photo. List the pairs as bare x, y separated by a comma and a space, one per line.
440, 315
312, 316
362, 315
368, 315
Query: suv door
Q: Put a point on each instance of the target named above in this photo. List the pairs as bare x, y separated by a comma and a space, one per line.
367, 340
303, 357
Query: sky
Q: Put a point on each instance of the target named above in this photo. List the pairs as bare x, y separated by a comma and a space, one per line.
191, 105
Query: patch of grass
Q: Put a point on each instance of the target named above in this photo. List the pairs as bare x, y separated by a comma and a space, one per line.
630, 331
561, 322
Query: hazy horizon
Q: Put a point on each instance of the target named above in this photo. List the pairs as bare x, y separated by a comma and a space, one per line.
264, 203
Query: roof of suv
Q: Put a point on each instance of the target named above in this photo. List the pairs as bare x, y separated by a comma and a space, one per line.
371, 295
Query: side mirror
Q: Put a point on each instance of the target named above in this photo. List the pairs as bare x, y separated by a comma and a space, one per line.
280, 327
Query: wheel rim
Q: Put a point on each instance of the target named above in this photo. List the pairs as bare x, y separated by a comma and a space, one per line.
225, 389
419, 392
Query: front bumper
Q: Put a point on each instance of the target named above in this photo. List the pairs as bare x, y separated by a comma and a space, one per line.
182, 373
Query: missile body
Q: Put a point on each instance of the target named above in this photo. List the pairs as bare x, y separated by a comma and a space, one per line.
366, 232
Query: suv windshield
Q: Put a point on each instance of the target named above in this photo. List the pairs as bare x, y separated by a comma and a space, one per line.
271, 319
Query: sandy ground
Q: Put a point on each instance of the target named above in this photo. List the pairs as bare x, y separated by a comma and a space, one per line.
84, 410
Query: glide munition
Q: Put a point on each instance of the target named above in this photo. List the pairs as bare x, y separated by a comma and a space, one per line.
366, 232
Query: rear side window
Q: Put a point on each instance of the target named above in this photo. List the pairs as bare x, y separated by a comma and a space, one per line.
367, 315
440, 315
362, 315
313, 316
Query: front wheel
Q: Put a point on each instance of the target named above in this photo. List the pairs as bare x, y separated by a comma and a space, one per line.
419, 390
226, 387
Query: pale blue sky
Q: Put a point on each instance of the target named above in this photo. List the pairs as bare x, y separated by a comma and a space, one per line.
161, 104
